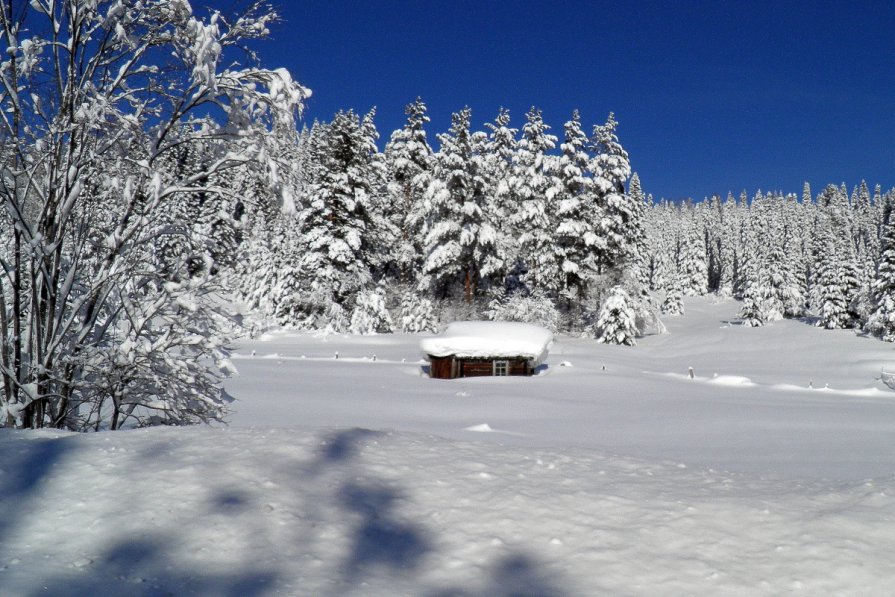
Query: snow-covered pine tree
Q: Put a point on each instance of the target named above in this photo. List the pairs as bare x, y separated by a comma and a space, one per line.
638, 248
536, 308
751, 277
336, 217
727, 246
409, 161
497, 172
662, 245
692, 260
576, 240
370, 315
615, 323
865, 234
881, 322
835, 281
535, 187
461, 244
417, 314
619, 223
674, 296
174, 244
383, 235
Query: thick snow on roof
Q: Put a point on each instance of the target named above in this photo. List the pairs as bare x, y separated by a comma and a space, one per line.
482, 339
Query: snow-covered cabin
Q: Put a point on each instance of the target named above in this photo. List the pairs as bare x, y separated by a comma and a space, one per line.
482, 348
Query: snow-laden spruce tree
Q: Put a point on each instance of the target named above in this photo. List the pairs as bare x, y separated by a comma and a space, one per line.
339, 227
753, 312
370, 315
616, 322
835, 273
409, 163
417, 314
619, 221
536, 308
461, 246
497, 172
534, 218
638, 258
577, 242
881, 322
692, 264
674, 297
94, 97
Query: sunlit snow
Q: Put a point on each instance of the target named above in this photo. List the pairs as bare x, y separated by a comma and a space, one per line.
620, 475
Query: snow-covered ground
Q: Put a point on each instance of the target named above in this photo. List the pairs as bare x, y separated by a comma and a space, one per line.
612, 472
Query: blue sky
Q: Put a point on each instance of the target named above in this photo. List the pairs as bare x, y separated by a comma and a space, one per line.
710, 97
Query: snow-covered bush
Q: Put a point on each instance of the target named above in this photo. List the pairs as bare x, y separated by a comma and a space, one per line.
536, 308
417, 314
615, 324
370, 315
674, 298
752, 314
334, 320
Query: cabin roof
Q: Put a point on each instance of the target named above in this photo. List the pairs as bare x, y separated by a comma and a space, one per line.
485, 339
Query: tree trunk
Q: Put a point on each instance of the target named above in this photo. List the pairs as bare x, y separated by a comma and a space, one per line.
467, 287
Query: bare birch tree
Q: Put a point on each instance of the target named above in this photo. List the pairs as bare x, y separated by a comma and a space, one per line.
95, 96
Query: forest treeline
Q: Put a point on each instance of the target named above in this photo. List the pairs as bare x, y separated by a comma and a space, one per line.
514, 223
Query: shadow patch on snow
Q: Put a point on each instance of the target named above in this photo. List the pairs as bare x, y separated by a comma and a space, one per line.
26, 464
24, 469
381, 538
230, 501
141, 568
514, 575
341, 446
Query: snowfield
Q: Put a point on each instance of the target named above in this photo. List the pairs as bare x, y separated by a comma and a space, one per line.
769, 472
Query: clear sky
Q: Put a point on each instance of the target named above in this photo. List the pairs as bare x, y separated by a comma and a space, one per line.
710, 97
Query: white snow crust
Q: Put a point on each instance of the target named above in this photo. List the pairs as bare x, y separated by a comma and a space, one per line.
482, 339
357, 512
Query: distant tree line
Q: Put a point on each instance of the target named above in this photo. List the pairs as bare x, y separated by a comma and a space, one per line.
829, 258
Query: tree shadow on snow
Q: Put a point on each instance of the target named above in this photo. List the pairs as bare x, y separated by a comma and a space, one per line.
139, 567
381, 539
342, 446
384, 542
27, 463
514, 575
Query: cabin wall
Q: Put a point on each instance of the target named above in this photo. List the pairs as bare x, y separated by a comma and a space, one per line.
441, 367
452, 368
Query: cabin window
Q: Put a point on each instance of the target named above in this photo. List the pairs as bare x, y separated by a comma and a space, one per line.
501, 367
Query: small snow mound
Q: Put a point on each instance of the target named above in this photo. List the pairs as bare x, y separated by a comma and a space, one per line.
565, 364
791, 387
732, 380
482, 428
